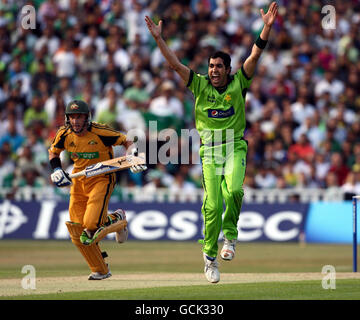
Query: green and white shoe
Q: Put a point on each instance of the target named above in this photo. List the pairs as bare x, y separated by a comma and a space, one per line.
228, 251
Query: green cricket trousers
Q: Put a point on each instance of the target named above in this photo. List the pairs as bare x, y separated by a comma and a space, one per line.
223, 168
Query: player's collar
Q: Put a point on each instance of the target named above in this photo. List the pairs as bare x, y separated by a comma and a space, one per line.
221, 89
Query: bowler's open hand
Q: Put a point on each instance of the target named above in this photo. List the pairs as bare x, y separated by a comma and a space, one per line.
270, 16
154, 29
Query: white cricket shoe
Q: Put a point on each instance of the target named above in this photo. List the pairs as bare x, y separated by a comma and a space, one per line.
122, 235
211, 270
99, 276
228, 250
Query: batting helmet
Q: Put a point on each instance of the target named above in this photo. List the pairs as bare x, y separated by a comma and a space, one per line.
76, 107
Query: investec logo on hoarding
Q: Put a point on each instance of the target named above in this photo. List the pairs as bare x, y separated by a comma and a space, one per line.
150, 221
184, 225
11, 218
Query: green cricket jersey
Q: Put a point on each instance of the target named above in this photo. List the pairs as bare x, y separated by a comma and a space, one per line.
215, 111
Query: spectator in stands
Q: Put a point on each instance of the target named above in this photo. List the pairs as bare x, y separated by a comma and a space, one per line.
138, 94
137, 71
331, 181
135, 22
338, 168
301, 109
30, 177
36, 113
265, 178
42, 78
93, 40
302, 148
65, 60
111, 98
18, 76
112, 83
151, 187
12, 137
321, 166
350, 188
109, 115
55, 108
166, 107
48, 40
132, 119
49, 9
11, 118
183, 189
7, 169
110, 70
331, 84
89, 59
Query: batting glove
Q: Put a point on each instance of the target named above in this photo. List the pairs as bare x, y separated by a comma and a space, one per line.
137, 168
60, 178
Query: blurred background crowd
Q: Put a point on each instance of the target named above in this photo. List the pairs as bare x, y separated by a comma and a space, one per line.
302, 108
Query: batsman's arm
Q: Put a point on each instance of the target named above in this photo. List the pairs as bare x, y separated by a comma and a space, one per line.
259, 46
171, 58
54, 160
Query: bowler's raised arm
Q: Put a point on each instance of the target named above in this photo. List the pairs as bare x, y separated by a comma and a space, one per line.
171, 58
259, 46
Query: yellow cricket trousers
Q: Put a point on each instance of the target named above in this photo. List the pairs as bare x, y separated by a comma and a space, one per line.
89, 199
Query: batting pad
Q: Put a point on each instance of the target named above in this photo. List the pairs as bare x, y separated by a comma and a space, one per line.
92, 254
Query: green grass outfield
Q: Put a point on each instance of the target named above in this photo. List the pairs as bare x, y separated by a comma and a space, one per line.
174, 271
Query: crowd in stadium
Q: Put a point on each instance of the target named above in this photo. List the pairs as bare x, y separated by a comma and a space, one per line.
302, 108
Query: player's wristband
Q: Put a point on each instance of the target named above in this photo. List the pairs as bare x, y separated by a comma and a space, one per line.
261, 43
55, 163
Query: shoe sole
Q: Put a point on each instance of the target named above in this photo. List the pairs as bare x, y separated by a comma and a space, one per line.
211, 280
108, 275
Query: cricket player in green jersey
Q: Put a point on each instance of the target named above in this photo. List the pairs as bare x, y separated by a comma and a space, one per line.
220, 121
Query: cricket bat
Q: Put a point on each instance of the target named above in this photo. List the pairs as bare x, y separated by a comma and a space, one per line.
111, 165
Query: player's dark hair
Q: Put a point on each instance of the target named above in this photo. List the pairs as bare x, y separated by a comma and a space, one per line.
223, 55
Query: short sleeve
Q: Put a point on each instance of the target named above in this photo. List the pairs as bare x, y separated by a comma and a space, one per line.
242, 77
197, 83
58, 144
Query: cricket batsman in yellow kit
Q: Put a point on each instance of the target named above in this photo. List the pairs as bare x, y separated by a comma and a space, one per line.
88, 143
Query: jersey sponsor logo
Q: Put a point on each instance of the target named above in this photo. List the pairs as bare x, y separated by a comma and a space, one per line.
84, 155
72, 144
215, 113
